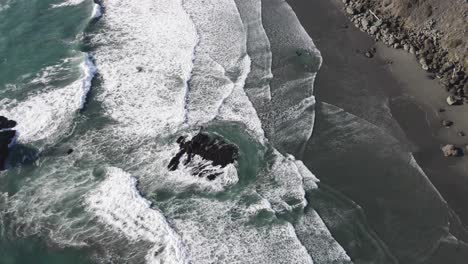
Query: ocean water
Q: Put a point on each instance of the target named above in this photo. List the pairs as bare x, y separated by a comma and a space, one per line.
119, 81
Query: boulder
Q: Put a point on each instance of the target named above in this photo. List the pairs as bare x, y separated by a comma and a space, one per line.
451, 151
373, 30
350, 10
365, 23
406, 47
391, 40
6, 138
451, 100
447, 123
6, 123
423, 63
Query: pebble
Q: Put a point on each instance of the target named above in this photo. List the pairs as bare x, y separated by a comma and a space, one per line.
447, 123
365, 23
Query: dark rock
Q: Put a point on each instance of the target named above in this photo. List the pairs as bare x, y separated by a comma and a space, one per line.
461, 133
5, 123
209, 147
6, 138
441, 110
447, 123
69, 151
139, 69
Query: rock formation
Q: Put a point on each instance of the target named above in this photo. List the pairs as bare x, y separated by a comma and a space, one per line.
210, 148
6, 138
451, 151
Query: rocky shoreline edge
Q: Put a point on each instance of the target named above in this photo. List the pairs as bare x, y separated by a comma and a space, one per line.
7, 137
424, 43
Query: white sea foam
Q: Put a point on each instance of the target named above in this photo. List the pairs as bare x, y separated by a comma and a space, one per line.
68, 3
185, 177
97, 11
145, 59
318, 240
292, 104
258, 47
282, 184
117, 203
5, 5
230, 231
48, 114
221, 66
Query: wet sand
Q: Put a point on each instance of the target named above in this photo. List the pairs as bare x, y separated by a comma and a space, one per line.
390, 86
415, 99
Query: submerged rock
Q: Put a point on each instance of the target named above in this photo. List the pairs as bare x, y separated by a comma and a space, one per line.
209, 148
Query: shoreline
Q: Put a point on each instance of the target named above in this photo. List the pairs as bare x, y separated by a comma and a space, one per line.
392, 92
415, 99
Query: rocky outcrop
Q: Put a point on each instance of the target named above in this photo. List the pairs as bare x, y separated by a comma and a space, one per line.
434, 31
451, 151
210, 148
7, 136
5, 123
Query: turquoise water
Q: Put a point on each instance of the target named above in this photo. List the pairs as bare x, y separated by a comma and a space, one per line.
35, 36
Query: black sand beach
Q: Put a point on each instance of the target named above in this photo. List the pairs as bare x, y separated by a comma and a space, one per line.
390, 86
